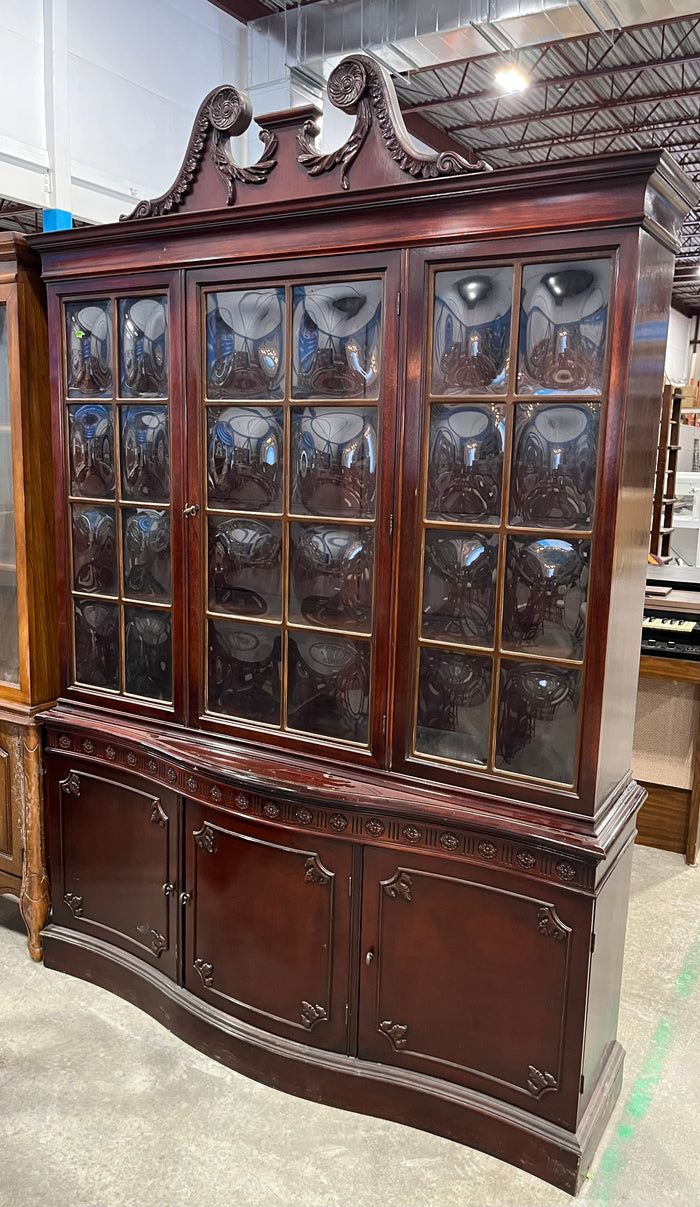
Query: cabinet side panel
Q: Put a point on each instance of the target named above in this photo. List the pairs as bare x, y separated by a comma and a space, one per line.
11, 790
610, 924
642, 411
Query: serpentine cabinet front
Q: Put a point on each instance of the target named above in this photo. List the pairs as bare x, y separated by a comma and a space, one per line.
352, 454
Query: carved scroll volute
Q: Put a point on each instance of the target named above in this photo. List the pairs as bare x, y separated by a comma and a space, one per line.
362, 87
225, 113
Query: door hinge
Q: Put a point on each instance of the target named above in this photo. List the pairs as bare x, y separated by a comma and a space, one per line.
582, 1082
398, 302
384, 725
347, 1013
593, 942
349, 886
391, 523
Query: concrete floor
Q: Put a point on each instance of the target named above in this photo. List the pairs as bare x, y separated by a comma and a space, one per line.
101, 1107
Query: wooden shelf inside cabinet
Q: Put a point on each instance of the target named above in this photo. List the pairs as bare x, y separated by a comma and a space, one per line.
665, 481
345, 656
28, 636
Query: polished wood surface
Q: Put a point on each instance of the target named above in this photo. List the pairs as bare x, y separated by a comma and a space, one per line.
311, 898
23, 863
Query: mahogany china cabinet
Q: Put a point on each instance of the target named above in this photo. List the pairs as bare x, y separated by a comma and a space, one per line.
28, 646
353, 463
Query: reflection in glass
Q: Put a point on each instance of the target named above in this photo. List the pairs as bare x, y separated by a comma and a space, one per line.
538, 720
336, 340
454, 706
245, 343
148, 656
9, 621
471, 331
244, 671
554, 465
97, 643
330, 581
562, 327
145, 453
91, 451
465, 465
329, 686
143, 352
245, 566
545, 599
89, 348
244, 458
146, 537
334, 461
94, 550
459, 586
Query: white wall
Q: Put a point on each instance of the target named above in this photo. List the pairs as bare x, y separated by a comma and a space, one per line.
677, 366
133, 76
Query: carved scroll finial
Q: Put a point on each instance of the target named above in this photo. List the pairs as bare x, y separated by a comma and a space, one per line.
359, 85
223, 114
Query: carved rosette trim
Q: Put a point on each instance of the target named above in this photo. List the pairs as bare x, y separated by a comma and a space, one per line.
158, 816
315, 873
192, 784
271, 809
487, 850
206, 972
400, 885
449, 841
206, 839
540, 1083
565, 871
241, 801
64, 741
131, 759
153, 766
374, 827
216, 794
110, 752
396, 1033
71, 784
549, 924
525, 860
339, 823
304, 817
74, 903
359, 85
224, 113
172, 774
412, 834
88, 745
310, 1015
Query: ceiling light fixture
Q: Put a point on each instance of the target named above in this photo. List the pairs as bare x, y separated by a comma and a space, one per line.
511, 79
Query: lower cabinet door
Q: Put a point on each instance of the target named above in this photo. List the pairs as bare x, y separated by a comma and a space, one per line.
475, 977
267, 932
113, 849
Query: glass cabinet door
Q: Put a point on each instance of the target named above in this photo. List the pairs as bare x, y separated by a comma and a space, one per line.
117, 417
293, 376
511, 418
9, 631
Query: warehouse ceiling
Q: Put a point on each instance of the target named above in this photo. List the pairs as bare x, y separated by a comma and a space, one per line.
604, 76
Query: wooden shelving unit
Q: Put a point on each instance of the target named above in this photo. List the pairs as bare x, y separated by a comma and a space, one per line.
666, 465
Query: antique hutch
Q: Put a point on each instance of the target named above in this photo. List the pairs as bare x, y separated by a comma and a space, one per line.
28, 649
353, 460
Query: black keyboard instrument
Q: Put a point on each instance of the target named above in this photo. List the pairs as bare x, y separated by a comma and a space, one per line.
671, 634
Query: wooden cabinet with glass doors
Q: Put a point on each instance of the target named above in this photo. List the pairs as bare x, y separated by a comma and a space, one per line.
353, 457
28, 638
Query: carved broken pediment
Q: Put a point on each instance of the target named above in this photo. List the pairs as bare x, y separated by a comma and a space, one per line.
359, 85
223, 114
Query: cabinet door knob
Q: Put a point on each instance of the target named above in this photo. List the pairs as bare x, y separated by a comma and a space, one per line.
185, 898
191, 509
368, 958
168, 889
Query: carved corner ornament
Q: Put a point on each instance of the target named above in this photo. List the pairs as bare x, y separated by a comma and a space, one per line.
206, 839
396, 1033
315, 873
206, 972
362, 87
310, 1014
74, 903
400, 885
551, 925
158, 815
539, 1083
157, 941
223, 114
71, 784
